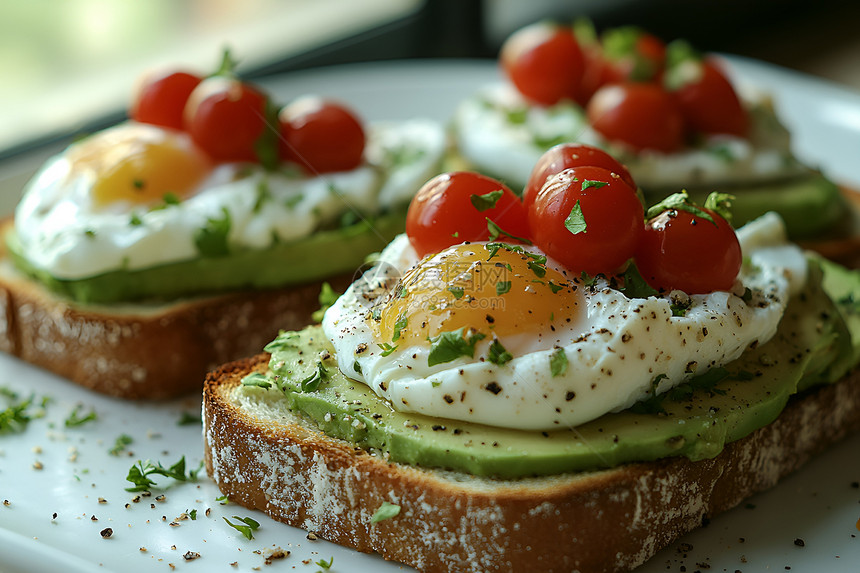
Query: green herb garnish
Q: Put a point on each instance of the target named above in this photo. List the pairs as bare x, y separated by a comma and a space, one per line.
74, 419
503, 287
494, 231
327, 297
189, 419
387, 349
487, 200
575, 221
498, 354
140, 472
211, 239
385, 511
558, 362
449, 346
312, 382
120, 444
679, 202
257, 379
246, 526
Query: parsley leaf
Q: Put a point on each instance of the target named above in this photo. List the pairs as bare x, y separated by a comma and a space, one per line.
721, 204
256, 379
327, 297
503, 287
312, 382
586, 183
456, 291
74, 420
188, 419
634, 285
558, 362
119, 445
679, 202
263, 196
385, 511
246, 526
449, 346
575, 221
494, 231
17, 414
211, 239
387, 349
487, 200
399, 326
140, 472
498, 354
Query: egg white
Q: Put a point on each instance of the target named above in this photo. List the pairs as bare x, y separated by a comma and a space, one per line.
613, 355
500, 133
62, 231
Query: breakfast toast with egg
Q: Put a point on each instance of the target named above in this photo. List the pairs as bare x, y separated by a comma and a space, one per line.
570, 401
265, 456
147, 253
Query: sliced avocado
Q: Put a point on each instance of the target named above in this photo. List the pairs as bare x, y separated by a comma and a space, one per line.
812, 346
811, 205
322, 255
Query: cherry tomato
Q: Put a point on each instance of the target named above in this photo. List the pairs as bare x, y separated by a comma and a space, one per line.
632, 54
544, 62
643, 116
161, 96
588, 219
454, 207
226, 118
708, 101
680, 250
565, 156
320, 135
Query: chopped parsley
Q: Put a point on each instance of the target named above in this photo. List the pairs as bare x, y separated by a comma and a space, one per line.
211, 239
246, 526
575, 221
256, 379
120, 444
721, 204
135, 220
456, 291
387, 349
494, 231
17, 414
401, 323
74, 419
312, 382
385, 511
554, 287
487, 200
503, 287
558, 362
263, 196
679, 202
293, 200
634, 285
327, 297
590, 183
140, 472
498, 354
189, 419
452, 345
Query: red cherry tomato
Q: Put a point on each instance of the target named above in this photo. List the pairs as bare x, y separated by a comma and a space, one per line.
588, 219
320, 135
544, 62
709, 103
680, 250
226, 118
565, 156
632, 54
161, 96
454, 207
643, 116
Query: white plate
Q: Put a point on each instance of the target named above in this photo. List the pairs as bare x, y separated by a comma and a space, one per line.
818, 504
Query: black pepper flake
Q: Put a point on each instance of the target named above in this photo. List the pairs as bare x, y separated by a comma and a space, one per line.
438, 428
106, 533
94, 518
493, 387
570, 395
800, 542
448, 398
191, 556
490, 319
855, 484
54, 516
360, 348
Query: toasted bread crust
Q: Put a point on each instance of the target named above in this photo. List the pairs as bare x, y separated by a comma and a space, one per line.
612, 520
140, 351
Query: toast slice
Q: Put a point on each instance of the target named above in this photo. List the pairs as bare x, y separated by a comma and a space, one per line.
264, 456
144, 351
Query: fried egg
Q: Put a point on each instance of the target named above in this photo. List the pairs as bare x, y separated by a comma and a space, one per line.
502, 336
500, 133
135, 195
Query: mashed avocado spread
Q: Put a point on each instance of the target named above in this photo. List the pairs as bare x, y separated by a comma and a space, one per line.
817, 343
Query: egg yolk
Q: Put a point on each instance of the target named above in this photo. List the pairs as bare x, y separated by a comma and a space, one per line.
494, 291
139, 164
